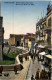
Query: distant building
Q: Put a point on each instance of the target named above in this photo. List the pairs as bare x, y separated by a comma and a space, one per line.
15, 40
1, 36
24, 40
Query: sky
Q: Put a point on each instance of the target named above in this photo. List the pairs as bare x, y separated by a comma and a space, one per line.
19, 18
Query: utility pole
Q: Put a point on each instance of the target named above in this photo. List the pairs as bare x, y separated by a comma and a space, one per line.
43, 13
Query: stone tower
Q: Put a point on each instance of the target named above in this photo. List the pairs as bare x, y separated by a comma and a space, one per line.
1, 34
1, 41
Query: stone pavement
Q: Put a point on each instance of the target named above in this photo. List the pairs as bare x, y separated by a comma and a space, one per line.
29, 74
33, 69
21, 75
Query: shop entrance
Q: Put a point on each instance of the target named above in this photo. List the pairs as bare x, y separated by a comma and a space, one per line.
18, 43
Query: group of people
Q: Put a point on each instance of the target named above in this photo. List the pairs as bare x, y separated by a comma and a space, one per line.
1, 69
32, 54
43, 75
40, 75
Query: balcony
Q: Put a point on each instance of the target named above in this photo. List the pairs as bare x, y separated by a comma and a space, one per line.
37, 32
40, 41
48, 30
41, 34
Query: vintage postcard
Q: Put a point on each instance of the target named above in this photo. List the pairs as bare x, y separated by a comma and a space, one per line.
25, 40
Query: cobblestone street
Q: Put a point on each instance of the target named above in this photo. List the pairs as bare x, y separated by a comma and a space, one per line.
33, 68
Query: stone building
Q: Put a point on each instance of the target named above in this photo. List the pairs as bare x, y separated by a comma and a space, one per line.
15, 40
24, 40
49, 24
28, 40
38, 30
44, 27
1, 36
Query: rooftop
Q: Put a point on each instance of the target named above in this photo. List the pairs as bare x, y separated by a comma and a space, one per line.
29, 37
14, 35
49, 8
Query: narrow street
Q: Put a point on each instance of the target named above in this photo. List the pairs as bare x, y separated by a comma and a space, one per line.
33, 68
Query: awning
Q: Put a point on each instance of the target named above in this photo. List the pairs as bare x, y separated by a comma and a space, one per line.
35, 44
42, 53
48, 47
48, 56
40, 46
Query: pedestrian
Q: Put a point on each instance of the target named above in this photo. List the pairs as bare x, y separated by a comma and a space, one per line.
37, 74
46, 77
1, 69
49, 75
15, 69
33, 59
32, 78
38, 58
32, 55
